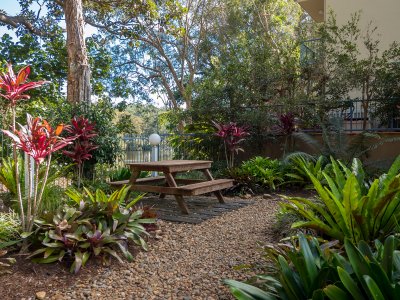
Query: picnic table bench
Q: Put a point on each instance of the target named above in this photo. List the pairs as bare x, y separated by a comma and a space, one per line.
170, 185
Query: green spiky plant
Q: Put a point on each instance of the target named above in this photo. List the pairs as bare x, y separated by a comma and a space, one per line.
314, 271
349, 206
94, 225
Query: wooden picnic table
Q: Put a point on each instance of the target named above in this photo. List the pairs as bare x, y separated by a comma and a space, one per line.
170, 185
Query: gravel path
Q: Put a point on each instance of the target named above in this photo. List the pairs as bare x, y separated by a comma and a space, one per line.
188, 261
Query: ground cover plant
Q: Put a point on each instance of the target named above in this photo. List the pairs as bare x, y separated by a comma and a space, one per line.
92, 225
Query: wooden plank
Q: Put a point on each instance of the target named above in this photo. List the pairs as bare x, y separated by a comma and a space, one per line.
171, 165
187, 180
178, 197
206, 186
139, 180
217, 193
156, 189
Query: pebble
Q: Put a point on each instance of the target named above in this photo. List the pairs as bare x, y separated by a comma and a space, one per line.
188, 261
41, 295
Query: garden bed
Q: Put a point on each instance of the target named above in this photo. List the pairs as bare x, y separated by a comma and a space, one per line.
184, 260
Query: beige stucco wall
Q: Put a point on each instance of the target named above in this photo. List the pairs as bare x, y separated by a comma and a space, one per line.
385, 14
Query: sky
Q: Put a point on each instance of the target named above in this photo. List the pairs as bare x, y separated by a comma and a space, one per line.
12, 7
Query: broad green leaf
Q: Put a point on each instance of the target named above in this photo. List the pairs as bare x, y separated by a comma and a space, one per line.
335, 293
243, 291
350, 284
373, 288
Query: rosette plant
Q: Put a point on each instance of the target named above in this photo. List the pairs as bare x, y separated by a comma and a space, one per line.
83, 132
232, 135
12, 88
39, 140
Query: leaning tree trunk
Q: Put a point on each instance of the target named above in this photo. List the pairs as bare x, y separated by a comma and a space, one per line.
78, 87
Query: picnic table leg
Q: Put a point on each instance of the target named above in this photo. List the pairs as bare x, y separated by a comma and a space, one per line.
179, 198
135, 173
218, 194
162, 195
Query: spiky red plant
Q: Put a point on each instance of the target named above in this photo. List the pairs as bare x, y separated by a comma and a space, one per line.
14, 86
39, 140
232, 135
84, 131
286, 124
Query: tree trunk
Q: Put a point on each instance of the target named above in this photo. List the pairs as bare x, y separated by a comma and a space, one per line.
78, 87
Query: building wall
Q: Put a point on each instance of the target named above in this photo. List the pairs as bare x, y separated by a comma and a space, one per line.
380, 157
385, 14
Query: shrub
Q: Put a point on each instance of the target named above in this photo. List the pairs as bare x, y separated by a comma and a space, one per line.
52, 194
303, 270
349, 206
92, 225
120, 174
232, 136
10, 226
313, 271
83, 132
263, 170
297, 165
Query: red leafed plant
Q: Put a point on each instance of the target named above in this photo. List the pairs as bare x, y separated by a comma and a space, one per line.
84, 131
12, 88
232, 135
286, 126
39, 140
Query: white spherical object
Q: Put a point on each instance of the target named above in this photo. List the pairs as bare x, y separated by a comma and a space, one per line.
154, 139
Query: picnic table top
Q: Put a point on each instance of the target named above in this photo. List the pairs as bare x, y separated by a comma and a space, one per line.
172, 165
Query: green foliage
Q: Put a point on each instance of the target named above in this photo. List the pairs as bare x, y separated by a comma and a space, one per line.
314, 271
263, 170
241, 70
98, 203
298, 165
120, 174
10, 226
373, 275
52, 194
302, 272
350, 207
7, 175
197, 142
95, 225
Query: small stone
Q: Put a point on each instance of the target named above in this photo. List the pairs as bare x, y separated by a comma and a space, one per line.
267, 196
58, 297
41, 295
158, 237
246, 196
